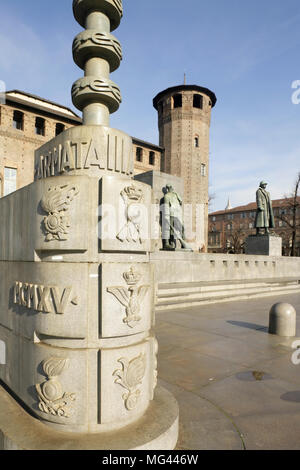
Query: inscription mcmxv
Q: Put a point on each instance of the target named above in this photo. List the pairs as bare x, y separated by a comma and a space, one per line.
44, 299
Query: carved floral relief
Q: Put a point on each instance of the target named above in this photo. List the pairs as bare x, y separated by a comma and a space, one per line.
130, 377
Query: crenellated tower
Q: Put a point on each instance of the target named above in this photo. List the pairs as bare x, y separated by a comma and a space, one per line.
184, 115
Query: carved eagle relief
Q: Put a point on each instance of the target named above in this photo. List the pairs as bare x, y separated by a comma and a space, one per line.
131, 298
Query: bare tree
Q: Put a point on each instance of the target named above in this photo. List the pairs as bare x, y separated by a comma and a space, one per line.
290, 212
235, 240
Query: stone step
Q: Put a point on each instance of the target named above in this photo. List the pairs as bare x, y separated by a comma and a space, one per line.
184, 291
183, 297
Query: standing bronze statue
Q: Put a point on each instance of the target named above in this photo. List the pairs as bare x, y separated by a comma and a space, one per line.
264, 215
172, 221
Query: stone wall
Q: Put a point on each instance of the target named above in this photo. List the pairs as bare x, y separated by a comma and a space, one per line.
194, 267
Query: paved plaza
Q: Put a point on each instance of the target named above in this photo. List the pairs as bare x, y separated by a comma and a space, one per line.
236, 385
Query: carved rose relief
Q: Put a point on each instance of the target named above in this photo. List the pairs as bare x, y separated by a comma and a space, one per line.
130, 377
52, 398
56, 203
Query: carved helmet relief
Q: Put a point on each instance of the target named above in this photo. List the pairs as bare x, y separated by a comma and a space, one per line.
56, 202
52, 398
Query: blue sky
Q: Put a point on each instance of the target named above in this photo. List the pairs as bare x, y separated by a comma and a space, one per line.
246, 51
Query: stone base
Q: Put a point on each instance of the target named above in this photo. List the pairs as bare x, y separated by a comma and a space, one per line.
157, 430
267, 245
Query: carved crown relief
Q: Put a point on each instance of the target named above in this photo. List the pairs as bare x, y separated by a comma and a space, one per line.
52, 398
131, 298
56, 203
131, 232
130, 377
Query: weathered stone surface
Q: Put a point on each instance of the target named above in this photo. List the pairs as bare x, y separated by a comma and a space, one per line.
85, 150
267, 245
187, 279
156, 430
126, 215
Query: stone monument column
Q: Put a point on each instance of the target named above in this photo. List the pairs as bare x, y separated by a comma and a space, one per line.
77, 316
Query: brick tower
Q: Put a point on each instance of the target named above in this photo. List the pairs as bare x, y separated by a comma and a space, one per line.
184, 114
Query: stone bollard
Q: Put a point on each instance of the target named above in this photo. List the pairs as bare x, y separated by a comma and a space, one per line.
282, 320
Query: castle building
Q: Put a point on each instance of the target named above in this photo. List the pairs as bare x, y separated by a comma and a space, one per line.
28, 121
228, 229
184, 116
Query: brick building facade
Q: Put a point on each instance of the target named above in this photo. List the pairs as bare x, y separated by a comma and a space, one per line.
228, 229
28, 121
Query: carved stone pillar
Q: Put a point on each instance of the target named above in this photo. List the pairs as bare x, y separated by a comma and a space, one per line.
77, 316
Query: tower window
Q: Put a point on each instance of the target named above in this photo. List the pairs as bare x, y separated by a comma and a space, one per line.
177, 101
152, 158
18, 120
59, 128
40, 126
198, 101
139, 154
203, 169
196, 142
10, 180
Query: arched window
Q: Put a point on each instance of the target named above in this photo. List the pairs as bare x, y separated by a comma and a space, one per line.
177, 101
196, 142
40, 126
18, 120
59, 128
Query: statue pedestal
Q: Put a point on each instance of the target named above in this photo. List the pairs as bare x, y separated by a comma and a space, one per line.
267, 245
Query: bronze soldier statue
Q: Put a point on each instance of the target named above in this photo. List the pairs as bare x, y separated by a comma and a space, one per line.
264, 215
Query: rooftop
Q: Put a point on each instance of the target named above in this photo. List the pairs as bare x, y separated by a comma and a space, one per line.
176, 89
28, 99
252, 206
